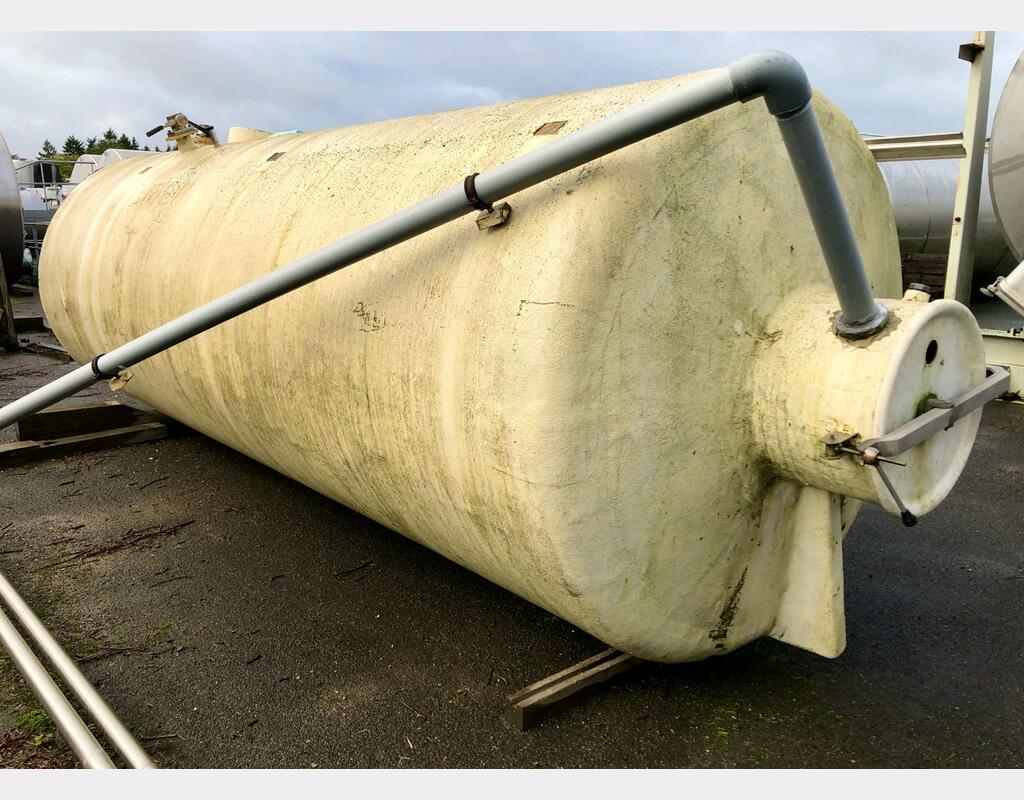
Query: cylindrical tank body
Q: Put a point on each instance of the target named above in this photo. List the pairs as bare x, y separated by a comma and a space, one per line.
89, 163
12, 226
923, 193
85, 166
565, 403
1006, 170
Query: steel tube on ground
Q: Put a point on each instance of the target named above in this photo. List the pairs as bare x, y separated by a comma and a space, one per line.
105, 717
75, 732
701, 96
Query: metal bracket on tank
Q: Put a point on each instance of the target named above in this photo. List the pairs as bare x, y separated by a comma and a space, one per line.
942, 416
840, 443
496, 216
491, 216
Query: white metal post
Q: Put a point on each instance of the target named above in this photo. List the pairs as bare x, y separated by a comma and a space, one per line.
960, 267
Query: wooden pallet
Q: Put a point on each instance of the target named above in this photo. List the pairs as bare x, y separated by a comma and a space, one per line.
927, 269
84, 428
29, 323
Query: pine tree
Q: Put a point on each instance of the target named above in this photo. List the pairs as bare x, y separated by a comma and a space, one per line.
73, 147
48, 151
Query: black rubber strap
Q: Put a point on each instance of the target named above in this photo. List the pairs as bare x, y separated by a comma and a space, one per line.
100, 374
469, 185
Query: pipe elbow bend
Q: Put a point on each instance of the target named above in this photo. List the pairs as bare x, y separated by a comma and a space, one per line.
773, 75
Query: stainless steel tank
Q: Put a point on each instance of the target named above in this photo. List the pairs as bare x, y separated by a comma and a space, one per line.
1006, 161
923, 193
12, 227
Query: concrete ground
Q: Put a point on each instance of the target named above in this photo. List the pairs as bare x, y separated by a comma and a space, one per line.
235, 618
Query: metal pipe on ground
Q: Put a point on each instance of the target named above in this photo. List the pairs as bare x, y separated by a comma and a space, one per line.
77, 734
773, 75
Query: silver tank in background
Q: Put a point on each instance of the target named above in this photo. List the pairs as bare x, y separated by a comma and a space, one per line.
922, 195
12, 228
923, 192
1006, 169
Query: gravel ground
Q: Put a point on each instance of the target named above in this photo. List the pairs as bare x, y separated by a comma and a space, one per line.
235, 618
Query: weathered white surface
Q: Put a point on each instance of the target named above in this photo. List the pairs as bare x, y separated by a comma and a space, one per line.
563, 404
825, 383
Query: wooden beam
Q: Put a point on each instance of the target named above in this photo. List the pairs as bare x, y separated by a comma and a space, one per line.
18, 453
55, 352
8, 334
84, 428
556, 692
61, 421
28, 323
960, 269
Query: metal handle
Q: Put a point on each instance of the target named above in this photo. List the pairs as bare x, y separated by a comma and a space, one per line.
926, 425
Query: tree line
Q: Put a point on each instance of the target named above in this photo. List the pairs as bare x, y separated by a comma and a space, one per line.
74, 147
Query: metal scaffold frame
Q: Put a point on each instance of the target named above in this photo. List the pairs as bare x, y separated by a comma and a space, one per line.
1002, 347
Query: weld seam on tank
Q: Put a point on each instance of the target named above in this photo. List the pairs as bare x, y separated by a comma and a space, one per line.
770, 74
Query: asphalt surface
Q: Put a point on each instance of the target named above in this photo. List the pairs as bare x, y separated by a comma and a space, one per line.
235, 618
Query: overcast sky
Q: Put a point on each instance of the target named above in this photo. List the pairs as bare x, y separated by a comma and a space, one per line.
82, 83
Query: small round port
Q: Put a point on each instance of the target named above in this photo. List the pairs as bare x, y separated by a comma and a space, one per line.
931, 351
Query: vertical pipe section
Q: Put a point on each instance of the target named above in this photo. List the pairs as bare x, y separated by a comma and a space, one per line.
120, 736
782, 82
75, 732
862, 315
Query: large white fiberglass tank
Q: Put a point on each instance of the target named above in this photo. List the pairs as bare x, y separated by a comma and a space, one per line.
610, 405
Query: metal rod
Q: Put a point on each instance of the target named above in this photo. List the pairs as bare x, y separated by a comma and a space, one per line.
776, 77
909, 518
75, 732
90, 699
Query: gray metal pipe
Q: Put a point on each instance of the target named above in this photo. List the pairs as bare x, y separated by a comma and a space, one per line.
782, 82
105, 717
775, 76
75, 732
862, 314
